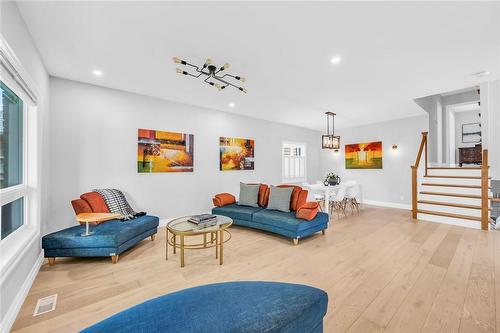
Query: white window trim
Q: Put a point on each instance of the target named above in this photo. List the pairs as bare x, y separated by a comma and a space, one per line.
14, 245
294, 179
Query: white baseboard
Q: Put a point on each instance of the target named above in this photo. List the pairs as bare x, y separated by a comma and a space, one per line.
15, 307
387, 204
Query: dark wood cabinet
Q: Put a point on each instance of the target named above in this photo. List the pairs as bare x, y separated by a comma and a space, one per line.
470, 155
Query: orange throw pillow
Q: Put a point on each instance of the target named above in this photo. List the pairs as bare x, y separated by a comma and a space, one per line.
223, 199
262, 200
96, 202
81, 206
308, 211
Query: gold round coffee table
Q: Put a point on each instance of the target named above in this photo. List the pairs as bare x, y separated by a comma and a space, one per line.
180, 227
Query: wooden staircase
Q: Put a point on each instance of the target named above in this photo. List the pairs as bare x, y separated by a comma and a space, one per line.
451, 195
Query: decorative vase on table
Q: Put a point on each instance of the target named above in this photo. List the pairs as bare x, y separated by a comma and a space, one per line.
332, 179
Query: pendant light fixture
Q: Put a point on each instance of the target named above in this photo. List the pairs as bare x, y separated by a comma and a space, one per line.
329, 140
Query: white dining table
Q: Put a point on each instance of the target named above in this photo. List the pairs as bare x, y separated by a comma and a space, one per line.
326, 190
329, 191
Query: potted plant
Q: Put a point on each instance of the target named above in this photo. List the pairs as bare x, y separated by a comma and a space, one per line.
332, 179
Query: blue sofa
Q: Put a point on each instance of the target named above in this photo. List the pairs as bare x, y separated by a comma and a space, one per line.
243, 307
109, 239
281, 223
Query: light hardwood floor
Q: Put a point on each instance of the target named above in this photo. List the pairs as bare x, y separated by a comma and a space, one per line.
382, 272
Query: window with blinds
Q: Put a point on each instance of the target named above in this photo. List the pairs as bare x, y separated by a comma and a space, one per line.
294, 162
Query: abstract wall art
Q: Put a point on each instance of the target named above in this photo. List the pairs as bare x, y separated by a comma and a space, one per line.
363, 155
236, 154
160, 151
471, 133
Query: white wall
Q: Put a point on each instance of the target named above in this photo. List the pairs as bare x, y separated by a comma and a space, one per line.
448, 100
490, 124
436, 106
432, 104
461, 118
93, 141
16, 279
391, 185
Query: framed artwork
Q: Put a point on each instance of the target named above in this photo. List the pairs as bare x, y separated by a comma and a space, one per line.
364, 155
236, 154
164, 151
471, 133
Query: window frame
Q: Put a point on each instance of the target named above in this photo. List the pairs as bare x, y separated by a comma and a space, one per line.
20, 240
304, 157
13, 193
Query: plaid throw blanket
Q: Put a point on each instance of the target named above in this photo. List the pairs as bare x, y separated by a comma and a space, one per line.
117, 203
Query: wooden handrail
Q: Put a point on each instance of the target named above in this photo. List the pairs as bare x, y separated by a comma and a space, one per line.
484, 191
414, 173
423, 144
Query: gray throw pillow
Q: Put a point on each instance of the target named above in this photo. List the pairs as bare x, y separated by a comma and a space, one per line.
249, 195
279, 198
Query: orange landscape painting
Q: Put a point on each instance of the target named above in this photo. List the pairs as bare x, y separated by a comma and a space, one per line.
164, 151
363, 155
236, 154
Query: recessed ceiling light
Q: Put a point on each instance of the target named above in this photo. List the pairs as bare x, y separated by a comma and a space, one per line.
232, 105
482, 73
336, 60
97, 72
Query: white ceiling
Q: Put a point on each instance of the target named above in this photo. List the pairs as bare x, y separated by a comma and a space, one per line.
391, 52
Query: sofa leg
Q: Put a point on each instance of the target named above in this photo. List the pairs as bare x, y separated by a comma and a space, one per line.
114, 259
295, 241
52, 260
323, 232
153, 237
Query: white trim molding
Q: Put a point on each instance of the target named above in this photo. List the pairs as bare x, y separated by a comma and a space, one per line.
13, 67
387, 204
14, 308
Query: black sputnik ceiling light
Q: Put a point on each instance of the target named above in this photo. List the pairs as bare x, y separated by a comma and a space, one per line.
330, 140
214, 76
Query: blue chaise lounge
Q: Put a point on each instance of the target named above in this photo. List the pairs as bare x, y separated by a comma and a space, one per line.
109, 239
243, 307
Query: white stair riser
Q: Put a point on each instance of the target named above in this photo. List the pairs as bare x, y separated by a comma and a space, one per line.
453, 210
449, 220
455, 181
466, 201
459, 190
454, 172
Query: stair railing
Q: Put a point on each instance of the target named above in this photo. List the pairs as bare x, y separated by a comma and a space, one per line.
484, 191
414, 173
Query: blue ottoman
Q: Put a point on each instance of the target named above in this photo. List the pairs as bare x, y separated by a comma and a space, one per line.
239, 307
109, 239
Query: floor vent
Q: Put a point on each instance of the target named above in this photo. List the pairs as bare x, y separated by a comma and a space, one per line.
45, 305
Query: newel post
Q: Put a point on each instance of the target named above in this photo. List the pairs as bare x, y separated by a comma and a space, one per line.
484, 191
414, 170
424, 138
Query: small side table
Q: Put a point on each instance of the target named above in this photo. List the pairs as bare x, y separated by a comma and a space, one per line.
181, 228
94, 217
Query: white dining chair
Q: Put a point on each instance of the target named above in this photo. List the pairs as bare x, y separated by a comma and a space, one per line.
318, 197
338, 202
351, 195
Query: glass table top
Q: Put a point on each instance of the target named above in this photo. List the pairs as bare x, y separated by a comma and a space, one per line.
181, 225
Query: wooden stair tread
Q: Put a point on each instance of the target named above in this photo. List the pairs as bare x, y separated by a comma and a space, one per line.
457, 177
449, 204
457, 216
455, 167
454, 185
472, 196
